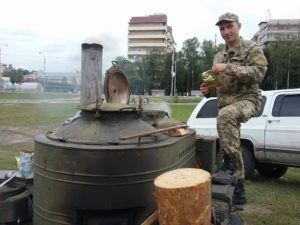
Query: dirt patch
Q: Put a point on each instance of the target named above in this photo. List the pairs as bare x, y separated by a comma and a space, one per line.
19, 135
258, 209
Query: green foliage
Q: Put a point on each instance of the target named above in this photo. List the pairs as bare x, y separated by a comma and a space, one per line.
15, 75
176, 98
283, 65
191, 56
133, 73
153, 71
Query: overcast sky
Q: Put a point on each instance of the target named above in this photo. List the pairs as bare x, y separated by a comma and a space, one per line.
59, 27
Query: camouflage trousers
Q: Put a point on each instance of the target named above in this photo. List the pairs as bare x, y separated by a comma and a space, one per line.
229, 125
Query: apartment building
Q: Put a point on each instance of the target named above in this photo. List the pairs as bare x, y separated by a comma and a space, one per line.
3, 67
277, 29
149, 33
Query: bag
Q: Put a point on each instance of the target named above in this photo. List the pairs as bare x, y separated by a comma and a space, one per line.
26, 164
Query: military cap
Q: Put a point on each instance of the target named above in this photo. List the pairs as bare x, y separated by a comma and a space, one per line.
228, 17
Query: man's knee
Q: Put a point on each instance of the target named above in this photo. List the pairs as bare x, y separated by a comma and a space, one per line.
225, 116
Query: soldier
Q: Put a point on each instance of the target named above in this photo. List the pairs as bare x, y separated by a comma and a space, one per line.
239, 69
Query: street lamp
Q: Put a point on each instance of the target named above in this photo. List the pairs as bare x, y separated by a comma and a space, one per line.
44, 56
0, 52
173, 73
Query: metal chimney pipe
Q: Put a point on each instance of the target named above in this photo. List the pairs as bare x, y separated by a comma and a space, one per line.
91, 74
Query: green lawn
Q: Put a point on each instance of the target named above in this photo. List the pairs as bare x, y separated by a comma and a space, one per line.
35, 114
273, 201
181, 111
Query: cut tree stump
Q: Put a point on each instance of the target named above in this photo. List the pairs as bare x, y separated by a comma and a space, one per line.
183, 197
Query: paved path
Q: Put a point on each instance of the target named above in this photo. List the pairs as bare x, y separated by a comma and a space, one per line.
60, 100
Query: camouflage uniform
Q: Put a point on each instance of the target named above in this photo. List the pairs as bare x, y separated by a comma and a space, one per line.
238, 94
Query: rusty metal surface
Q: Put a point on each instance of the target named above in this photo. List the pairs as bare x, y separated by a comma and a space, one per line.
72, 177
116, 86
104, 128
84, 173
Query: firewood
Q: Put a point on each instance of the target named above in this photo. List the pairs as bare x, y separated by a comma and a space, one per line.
183, 197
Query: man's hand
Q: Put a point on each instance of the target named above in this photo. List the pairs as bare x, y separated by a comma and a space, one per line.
204, 89
218, 68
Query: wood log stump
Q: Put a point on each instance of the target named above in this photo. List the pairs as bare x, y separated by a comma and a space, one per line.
183, 197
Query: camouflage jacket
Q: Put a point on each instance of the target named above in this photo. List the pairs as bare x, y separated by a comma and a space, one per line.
246, 68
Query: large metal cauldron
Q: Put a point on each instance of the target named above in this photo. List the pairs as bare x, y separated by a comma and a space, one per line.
84, 173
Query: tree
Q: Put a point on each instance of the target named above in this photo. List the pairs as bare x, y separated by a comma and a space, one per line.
132, 71
15, 75
190, 52
154, 70
283, 65
181, 74
207, 54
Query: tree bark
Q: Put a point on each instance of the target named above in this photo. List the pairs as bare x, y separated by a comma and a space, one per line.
183, 197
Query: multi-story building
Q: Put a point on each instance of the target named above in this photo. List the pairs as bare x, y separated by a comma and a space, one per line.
3, 67
149, 33
277, 29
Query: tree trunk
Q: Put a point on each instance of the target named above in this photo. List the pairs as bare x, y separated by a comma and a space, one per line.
183, 197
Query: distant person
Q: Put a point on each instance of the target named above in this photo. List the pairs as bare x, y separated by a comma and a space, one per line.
239, 69
146, 99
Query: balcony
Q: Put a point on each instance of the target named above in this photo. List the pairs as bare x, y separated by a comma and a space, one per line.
137, 52
147, 44
133, 28
146, 36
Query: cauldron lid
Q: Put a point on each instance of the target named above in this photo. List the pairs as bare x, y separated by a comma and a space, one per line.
116, 86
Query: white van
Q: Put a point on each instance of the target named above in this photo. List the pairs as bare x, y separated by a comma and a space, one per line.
270, 141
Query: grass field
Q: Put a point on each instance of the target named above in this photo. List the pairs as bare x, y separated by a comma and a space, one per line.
270, 201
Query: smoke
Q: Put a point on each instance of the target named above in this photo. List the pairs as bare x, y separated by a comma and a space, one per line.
164, 106
111, 47
109, 42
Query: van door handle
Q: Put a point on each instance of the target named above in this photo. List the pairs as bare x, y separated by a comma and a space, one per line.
270, 121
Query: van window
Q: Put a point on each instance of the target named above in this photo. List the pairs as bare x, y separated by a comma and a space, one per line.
210, 109
259, 113
286, 106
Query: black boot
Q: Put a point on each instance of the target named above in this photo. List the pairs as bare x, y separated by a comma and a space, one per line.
239, 195
226, 174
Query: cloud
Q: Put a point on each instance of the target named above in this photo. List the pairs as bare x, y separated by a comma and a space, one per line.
59, 27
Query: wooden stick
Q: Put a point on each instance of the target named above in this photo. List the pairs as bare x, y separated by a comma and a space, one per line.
151, 219
148, 133
9, 179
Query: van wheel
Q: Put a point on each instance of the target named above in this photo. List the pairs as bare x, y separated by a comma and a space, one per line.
249, 161
271, 170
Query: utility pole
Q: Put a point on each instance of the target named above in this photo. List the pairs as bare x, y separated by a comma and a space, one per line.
288, 74
0, 52
44, 56
173, 73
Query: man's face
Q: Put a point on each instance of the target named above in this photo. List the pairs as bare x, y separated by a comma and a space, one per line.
230, 32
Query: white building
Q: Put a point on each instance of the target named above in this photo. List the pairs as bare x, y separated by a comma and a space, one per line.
30, 87
149, 33
277, 29
3, 83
